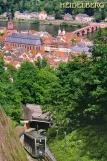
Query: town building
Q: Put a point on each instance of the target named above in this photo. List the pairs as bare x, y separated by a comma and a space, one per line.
42, 15
82, 48
26, 15
67, 17
83, 18
26, 41
106, 19
32, 16
33, 117
3, 15
57, 57
10, 25
50, 17
10, 28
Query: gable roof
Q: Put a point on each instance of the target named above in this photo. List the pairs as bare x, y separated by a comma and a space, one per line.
82, 15
43, 12
67, 14
21, 38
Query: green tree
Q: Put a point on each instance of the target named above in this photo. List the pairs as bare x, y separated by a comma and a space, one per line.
97, 16
25, 78
45, 82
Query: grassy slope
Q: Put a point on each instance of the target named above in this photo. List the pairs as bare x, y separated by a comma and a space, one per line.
92, 148
10, 147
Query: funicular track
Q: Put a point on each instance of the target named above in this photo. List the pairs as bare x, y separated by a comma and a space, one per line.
45, 159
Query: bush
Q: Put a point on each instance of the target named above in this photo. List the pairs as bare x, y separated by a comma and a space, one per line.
79, 25
64, 24
36, 22
1, 34
51, 134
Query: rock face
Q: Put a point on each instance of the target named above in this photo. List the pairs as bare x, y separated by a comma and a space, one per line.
10, 146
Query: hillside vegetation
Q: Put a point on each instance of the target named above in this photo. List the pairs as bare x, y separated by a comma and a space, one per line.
10, 147
51, 6
87, 143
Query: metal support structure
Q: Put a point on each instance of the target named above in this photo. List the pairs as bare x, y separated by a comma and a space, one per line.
65, 140
57, 137
79, 149
37, 128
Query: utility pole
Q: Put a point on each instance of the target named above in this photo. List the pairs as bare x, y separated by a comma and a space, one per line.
79, 155
37, 128
65, 140
57, 136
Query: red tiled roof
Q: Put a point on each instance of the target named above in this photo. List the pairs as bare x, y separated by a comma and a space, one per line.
43, 12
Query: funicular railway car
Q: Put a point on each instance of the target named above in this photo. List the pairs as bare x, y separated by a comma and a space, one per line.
35, 144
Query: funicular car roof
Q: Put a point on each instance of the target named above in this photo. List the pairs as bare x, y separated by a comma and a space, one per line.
35, 134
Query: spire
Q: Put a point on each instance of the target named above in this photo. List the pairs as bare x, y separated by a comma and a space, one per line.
59, 31
63, 32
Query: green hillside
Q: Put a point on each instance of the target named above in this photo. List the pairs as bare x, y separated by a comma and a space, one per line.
51, 6
10, 147
83, 144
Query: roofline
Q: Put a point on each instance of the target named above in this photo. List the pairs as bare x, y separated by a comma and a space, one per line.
39, 121
27, 121
24, 43
28, 134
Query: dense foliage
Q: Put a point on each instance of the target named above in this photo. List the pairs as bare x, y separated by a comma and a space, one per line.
83, 144
10, 97
51, 6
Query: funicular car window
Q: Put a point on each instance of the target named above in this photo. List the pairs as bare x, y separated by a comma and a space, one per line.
40, 145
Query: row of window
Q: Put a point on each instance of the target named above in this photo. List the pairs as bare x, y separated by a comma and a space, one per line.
23, 46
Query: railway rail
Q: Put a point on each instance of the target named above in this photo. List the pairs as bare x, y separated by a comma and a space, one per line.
46, 159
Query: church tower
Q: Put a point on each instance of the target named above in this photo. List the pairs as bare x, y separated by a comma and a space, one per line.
10, 24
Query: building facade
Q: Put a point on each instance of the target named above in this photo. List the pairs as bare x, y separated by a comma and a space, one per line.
83, 18
26, 41
50, 17
10, 28
42, 15
67, 17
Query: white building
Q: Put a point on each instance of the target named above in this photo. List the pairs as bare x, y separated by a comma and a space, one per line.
106, 19
83, 18
26, 15
50, 17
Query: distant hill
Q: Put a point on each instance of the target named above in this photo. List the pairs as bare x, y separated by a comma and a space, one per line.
51, 6
10, 147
